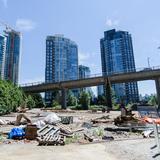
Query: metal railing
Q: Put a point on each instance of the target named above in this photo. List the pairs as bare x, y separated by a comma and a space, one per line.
146, 69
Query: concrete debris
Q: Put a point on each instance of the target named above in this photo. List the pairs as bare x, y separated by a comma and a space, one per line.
40, 123
3, 122
87, 125
66, 119
147, 134
52, 119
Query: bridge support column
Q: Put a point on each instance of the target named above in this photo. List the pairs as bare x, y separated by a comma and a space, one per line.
108, 94
157, 81
64, 98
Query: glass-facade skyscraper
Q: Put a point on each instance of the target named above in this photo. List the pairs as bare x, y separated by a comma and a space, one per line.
117, 57
2, 55
84, 72
12, 56
61, 61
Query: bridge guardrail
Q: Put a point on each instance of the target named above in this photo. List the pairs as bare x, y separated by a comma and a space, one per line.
96, 75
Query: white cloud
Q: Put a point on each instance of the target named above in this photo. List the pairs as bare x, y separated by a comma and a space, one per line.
111, 22
25, 24
5, 3
83, 56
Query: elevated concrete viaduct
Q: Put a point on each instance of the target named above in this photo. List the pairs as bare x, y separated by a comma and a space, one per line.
151, 74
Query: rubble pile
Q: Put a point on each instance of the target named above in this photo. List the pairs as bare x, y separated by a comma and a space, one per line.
55, 129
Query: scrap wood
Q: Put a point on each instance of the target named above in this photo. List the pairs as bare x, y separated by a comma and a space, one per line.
66, 135
100, 121
78, 130
87, 137
103, 119
93, 142
127, 129
64, 128
58, 110
104, 141
120, 120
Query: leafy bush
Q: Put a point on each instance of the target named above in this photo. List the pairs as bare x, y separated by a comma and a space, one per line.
116, 107
11, 97
153, 100
96, 107
56, 105
78, 107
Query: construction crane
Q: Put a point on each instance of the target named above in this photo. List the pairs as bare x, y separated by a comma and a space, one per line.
8, 28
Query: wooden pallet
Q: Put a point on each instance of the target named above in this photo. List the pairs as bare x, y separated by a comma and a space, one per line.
51, 140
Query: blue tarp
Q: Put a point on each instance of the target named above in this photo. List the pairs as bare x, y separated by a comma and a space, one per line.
16, 133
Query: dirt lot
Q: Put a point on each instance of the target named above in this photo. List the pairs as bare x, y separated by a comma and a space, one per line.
127, 146
125, 150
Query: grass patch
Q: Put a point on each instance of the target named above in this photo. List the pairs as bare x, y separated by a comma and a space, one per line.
73, 139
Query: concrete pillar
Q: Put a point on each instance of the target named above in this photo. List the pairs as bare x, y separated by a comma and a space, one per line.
64, 98
157, 81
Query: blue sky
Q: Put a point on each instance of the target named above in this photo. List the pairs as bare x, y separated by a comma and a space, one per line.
83, 21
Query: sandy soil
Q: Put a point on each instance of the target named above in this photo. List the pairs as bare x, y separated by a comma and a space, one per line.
115, 150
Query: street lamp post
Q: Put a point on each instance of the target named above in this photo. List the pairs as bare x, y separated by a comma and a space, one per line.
148, 60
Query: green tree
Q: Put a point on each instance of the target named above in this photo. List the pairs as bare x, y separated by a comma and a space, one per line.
38, 100
108, 94
84, 100
11, 97
71, 99
153, 100
30, 102
101, 100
